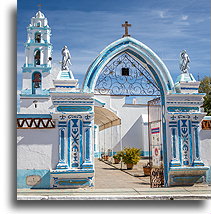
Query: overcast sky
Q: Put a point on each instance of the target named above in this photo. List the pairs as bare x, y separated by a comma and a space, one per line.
88, 26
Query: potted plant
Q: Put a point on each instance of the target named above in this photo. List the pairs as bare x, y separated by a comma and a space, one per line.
131, 156
147, 168
117, 157
105, 157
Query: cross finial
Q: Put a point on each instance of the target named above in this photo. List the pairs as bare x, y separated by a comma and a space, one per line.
126, 25
39, 7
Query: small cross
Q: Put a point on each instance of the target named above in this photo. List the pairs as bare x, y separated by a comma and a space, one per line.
173, 117
195, 117
126, 25
39, 7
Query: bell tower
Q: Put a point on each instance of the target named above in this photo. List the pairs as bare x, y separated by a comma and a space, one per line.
37, 68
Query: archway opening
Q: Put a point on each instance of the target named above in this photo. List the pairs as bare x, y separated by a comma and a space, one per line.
126, 87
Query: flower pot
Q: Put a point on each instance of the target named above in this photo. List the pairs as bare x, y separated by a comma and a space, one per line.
106, 157
129, 165
116, 161
147, 170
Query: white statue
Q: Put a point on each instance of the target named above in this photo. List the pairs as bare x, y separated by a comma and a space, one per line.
184, 60
65, 58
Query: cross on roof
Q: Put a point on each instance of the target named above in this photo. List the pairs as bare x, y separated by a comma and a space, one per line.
126, 25
39, 7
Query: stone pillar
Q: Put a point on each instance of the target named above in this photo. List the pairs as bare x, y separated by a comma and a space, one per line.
75, 168
197, 159
184, 116
88, 126
174, 144
62, 164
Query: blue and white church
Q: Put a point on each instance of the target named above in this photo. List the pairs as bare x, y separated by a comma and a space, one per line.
128, 99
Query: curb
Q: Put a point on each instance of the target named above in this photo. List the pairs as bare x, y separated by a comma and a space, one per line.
116, 197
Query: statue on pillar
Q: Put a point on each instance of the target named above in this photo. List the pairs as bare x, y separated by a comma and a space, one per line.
184, 60
65, 58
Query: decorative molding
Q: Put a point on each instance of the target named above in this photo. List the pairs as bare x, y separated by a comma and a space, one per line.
74, 108
182, 109
35, 123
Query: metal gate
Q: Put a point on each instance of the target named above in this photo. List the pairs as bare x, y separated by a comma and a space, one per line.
155, 143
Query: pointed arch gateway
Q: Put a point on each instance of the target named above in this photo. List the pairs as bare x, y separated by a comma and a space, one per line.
139, 51
152, 68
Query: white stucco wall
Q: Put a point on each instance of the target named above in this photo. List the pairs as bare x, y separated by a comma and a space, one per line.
205, 147
43, 105
133, 131
46, 77
37, 148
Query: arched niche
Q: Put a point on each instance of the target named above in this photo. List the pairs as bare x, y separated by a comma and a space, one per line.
36, 82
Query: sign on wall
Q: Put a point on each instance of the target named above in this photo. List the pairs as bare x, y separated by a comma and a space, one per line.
155, 143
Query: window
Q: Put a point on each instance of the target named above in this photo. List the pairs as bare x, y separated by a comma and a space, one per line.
35, 103
37, 37
125, 71
37, 58
36, 82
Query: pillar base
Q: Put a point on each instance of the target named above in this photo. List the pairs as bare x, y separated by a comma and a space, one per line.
186, 176
62, 165
78, 178
175, 163
198, 163
87, 165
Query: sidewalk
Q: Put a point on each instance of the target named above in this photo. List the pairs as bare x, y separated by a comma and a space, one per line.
176, 193
114, 184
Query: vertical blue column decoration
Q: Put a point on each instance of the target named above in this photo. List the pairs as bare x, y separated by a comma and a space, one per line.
95, 141
196, 142
62, 145
69, 144
185, 142
197, 160
190, 143
75, 130
180, 143
175, 151
173, 130
87, 137
62, 160
87, 125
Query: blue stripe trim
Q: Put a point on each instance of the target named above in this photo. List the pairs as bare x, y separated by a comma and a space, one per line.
81, 141
74, 108
190, 88
180, 146
69, 144
62, 122
34, 116
72, 171
61, 86
191, 142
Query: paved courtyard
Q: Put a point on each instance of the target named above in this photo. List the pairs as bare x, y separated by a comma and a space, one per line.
107, 176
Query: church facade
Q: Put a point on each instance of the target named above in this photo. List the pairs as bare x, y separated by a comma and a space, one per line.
61, 127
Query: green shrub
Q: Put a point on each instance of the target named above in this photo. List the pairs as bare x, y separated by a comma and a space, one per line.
118, 156
131, 155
